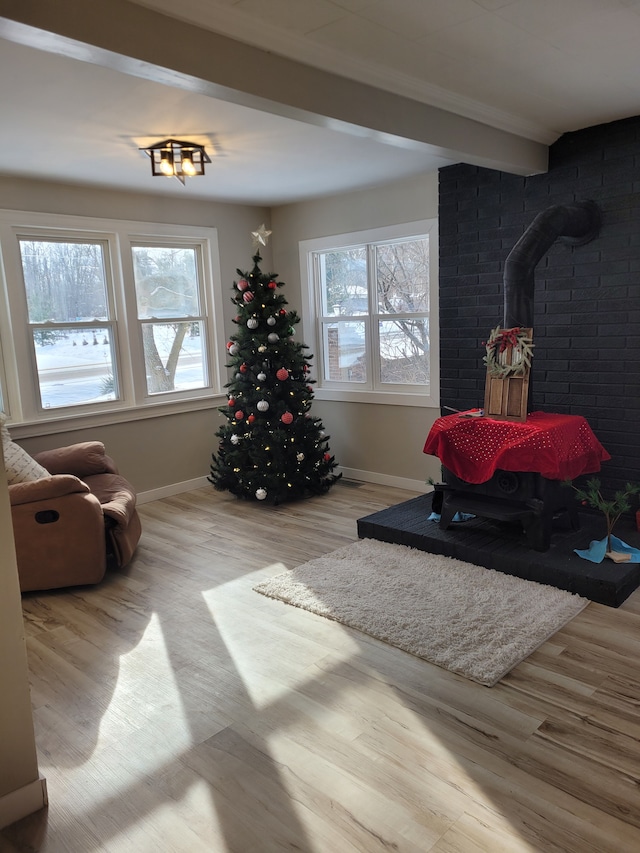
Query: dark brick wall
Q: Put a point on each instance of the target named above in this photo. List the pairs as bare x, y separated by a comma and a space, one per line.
587, 299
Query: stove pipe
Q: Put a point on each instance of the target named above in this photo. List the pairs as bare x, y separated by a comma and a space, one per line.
576, 224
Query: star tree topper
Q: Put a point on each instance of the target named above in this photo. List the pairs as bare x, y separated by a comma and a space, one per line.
260, 236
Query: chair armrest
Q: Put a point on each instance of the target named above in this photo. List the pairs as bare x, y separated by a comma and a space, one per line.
82, 459
47, 488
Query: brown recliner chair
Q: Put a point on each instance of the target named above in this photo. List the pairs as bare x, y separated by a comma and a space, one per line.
69, 526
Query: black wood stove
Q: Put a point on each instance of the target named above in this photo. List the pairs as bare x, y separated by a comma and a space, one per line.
524, 498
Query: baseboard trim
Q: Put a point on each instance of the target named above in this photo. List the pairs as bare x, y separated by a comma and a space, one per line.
384, 479
347, 473
172, 489
24, 801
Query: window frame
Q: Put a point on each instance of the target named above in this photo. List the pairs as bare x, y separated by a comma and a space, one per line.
138, 360
20, 388
108, 324
371, 391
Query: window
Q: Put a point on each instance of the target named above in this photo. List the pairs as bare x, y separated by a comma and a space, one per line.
70, 321
172, 323
106, 315
372, 299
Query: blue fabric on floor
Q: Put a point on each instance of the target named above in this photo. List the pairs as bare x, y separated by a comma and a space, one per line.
459, 516
597, 549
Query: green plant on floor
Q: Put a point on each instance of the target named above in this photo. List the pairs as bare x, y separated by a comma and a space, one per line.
613, 508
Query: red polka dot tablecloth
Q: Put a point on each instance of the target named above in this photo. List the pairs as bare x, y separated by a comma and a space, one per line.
559, 447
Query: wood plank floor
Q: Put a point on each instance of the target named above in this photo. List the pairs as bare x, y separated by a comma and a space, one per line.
178, 711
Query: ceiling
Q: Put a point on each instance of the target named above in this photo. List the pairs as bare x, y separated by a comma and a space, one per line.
531, 68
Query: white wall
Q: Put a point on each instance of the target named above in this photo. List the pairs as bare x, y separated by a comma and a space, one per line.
21, 790
382, 443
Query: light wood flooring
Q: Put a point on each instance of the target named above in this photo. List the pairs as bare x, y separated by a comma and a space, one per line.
178, 711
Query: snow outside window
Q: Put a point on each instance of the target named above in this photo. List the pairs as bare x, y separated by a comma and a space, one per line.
171, 318
70, 321
105, 315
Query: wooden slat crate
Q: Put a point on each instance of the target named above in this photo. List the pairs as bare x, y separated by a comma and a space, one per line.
505, 399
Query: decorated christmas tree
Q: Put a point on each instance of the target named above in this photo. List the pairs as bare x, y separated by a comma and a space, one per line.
271, 447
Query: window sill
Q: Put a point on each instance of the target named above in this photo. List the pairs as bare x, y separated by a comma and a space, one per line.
390, 398
70, 423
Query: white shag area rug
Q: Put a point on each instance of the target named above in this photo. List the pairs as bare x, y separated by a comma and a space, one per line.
470, 620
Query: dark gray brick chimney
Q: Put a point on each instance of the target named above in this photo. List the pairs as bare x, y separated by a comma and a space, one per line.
587, 298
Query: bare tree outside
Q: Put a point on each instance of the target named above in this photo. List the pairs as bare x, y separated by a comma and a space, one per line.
344, 273
399, 305
70, 320
166, 290
402, 286
64, 281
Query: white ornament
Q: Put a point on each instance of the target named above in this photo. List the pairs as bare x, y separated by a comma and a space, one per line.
273, 338
262, 376
262, 348
233, 349
299, 456
235, 438
252, 323
271, 321
261, 494
263, 405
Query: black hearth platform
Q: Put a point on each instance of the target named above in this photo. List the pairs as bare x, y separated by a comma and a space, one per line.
503, 547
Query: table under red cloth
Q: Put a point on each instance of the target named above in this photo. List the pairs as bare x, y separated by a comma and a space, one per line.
559, 447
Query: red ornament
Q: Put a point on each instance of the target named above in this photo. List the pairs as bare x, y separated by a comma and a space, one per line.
272, 285
282, 374
251, 419
305, 368
243, 368
247, 296
239, 415
243, 284
287, 418
232, 401
282, 312
327, 457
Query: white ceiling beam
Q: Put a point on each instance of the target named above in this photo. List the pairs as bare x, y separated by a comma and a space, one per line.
141, 42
